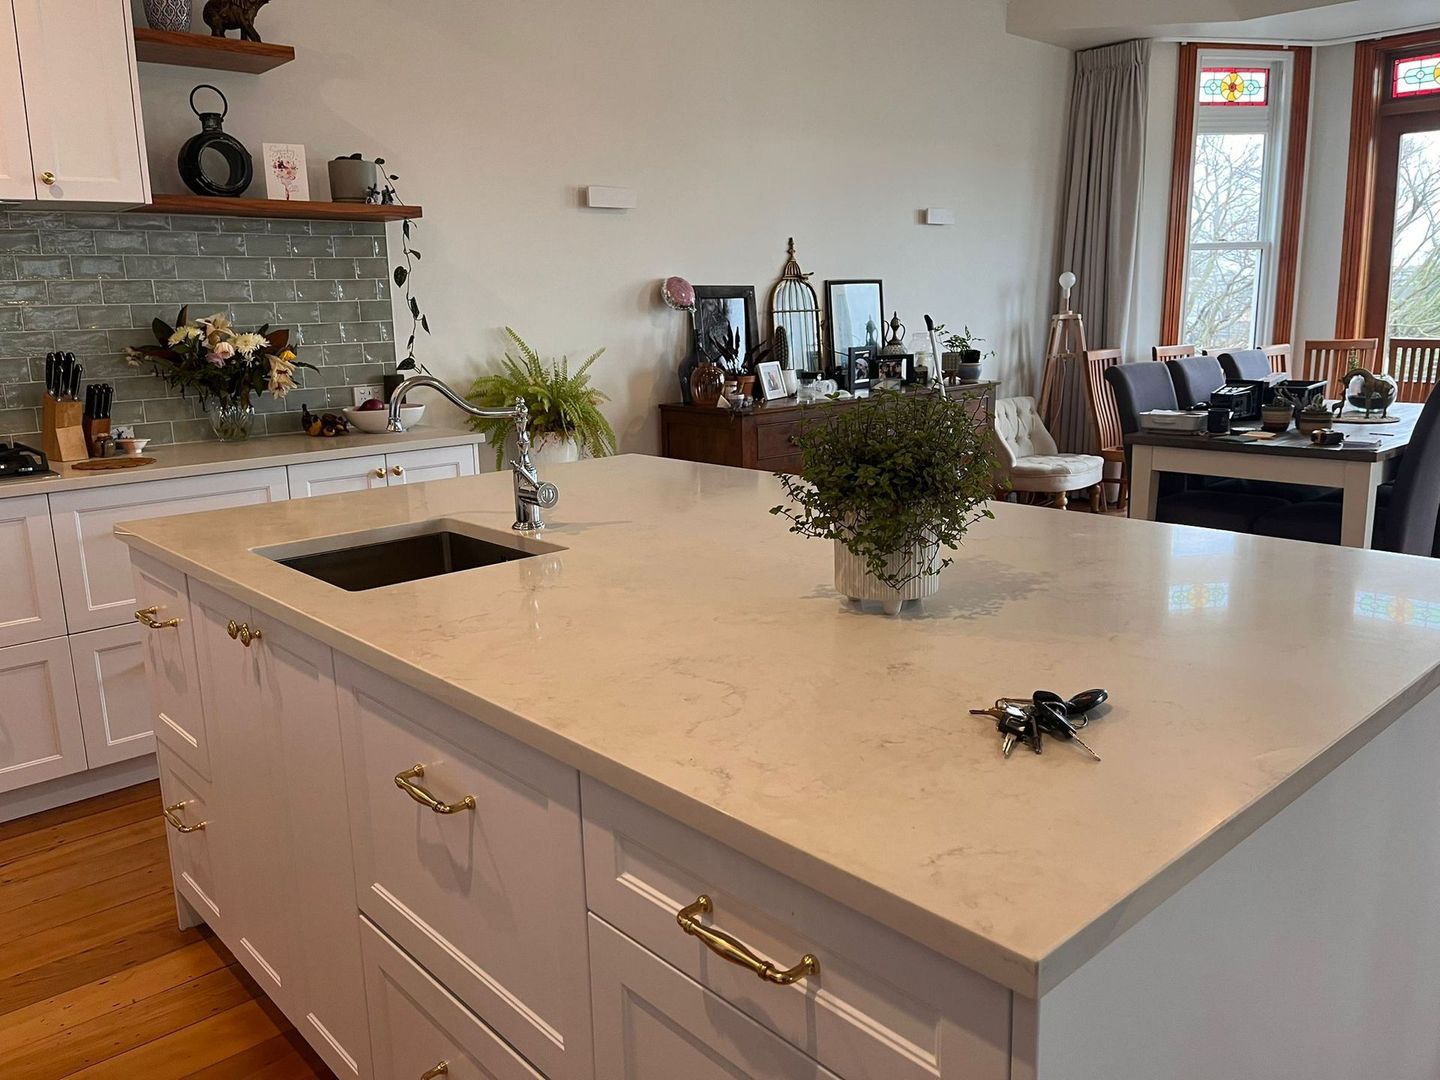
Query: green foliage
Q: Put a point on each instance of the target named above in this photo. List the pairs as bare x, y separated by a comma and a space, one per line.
966, 342
562, 404
891, 473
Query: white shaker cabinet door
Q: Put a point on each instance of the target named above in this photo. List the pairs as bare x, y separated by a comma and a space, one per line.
17, 177
77, 63
39, 717
30, 605
329, 477
441, 463
655, 1023
116, 713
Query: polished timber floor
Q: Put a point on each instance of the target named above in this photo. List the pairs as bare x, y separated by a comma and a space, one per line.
95, 979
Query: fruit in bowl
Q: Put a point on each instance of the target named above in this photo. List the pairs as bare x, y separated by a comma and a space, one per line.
374, 416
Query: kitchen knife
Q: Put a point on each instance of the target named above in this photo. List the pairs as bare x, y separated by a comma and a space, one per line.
72, 391
50, 374
90, 413
109, 401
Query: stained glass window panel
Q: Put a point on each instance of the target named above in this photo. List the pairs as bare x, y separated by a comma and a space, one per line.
1235, 86
1416, 75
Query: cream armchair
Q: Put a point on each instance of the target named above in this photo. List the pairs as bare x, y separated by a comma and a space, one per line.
1030, 460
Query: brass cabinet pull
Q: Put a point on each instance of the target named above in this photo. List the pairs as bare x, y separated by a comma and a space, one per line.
47, 178
233, 629
397, 470
379, 474
146, 617
247, 635
442, 1069
172, 818
424, 798
732, 949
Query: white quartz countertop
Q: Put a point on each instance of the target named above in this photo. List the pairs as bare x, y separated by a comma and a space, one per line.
686, 649
194, 459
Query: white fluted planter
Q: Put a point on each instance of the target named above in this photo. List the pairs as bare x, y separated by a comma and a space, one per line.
854, 581
552, 451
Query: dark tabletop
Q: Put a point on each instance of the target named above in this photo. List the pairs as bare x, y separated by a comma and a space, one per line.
1393, 437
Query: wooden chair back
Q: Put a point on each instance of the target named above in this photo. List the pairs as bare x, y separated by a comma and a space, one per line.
1171, 352
1103, 410
1329, 360
1415, 364
1279, 358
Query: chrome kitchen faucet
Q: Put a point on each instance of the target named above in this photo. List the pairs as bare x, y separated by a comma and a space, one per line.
531, 494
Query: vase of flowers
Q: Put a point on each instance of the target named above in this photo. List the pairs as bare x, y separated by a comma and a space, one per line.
225, 368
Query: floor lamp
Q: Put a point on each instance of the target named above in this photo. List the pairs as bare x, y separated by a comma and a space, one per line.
1063, 356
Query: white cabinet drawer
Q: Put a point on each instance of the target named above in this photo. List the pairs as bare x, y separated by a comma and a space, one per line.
30, 605
653, 1023
116, 713
416, 1025
95, 566
195, 832
170, 662
39, 717
440, 463
490, 899
327, 477
881, 1008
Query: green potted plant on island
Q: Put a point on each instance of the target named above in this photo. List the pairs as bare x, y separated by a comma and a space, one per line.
894, 481
227, 369
961, 355
565, 417
1315, 415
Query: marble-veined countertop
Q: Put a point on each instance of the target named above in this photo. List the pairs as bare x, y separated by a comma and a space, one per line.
686, 649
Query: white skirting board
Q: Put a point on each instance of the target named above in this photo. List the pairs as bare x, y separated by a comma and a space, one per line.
84, 785
1309, 952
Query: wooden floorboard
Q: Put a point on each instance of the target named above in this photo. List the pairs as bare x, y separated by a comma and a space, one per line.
97, 981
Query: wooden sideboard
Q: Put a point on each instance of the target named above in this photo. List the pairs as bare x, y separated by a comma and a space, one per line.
764, 437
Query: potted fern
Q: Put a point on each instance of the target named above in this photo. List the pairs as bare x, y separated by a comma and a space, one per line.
565, 417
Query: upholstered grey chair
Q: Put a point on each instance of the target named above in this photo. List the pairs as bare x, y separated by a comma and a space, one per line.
1246, 364
1140, 388
1405, 519
1195, 379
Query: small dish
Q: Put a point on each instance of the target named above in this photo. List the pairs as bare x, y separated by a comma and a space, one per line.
375, 421
132, 447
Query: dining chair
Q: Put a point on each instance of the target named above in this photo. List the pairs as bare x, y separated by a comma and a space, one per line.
1033, 463
1141, 388
1405, 520
1415, 364
1329, 360
1279, 358
1172, 352
1107, 418
1195, 379
1249, 364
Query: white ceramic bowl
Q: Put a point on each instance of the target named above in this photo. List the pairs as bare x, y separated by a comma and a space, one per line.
131, 447
374, 421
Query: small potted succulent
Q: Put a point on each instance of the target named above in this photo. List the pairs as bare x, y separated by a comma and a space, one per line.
1315, 415
1279, 413
961, 355
894, 482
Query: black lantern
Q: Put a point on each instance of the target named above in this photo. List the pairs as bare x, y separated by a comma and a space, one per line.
212, 162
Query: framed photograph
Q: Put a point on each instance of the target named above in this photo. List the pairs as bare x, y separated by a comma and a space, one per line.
893, 368
723, 313
855, 314
855, 369
770, 380
285, 176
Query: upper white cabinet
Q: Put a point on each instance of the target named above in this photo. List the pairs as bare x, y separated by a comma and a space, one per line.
30, 608
75, 91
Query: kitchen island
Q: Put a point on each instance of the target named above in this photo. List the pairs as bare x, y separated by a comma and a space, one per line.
669, 699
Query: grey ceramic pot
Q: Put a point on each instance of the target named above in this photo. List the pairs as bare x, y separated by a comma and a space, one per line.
351, 179
168, 14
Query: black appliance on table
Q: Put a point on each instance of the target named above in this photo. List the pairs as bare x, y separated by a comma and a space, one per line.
18, 460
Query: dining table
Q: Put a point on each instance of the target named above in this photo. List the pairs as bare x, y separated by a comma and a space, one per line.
1290, 458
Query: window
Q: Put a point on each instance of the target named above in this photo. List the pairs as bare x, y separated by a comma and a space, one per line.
1415, 75
1237, 171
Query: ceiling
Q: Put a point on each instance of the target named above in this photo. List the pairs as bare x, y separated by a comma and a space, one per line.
1080, 24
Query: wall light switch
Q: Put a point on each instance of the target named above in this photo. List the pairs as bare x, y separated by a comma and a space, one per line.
939, 215
610, 198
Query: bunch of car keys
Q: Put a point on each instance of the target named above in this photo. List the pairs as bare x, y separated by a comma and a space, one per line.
1029, 720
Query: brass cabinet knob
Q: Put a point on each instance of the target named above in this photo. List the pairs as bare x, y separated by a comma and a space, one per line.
397, 470
247, 635
379, 474
47, 178
233, 629
442, 1069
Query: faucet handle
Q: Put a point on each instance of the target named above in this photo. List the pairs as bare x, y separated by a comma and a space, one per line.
546, 495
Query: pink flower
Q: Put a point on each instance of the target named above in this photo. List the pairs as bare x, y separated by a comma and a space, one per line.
222, 352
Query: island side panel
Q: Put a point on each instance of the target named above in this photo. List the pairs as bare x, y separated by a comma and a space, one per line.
1311, 951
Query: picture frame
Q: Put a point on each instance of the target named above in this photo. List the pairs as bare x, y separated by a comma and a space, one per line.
770, 381
286, 178
723, 308
856, 371
854, 317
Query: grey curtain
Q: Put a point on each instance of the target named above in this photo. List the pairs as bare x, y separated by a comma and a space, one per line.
1101, 217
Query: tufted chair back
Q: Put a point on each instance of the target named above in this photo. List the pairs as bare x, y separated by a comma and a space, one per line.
1020, 432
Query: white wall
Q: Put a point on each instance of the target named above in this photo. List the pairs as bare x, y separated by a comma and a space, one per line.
739, 123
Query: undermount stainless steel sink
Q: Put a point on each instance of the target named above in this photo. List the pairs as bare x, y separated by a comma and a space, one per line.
359, 562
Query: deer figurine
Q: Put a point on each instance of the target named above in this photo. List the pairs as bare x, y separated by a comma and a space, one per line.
223, 15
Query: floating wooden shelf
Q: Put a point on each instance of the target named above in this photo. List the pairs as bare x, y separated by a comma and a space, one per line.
278, 208
204, 51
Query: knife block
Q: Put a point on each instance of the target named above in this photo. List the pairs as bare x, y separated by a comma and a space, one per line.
62, 430
94, 427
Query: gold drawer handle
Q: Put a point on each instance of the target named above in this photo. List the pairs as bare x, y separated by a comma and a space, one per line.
424, 798
233, 629
247, 635
379, 474
397, 470
47, 178
732, 949
443, 1069
146, 617
172, 817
